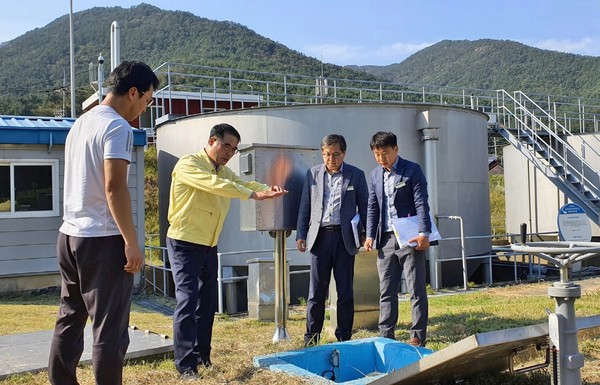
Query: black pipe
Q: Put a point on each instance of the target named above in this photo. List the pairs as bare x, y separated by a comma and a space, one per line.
523, 233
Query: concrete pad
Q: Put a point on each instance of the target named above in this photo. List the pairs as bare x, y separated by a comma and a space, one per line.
28, 352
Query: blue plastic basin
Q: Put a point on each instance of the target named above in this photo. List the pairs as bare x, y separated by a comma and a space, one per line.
354, 362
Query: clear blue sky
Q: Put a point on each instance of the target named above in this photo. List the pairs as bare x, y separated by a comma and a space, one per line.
362, 32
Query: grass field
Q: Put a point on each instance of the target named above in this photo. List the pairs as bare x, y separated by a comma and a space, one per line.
238, 339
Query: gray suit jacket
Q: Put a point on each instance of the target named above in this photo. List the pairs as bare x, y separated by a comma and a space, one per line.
354, 198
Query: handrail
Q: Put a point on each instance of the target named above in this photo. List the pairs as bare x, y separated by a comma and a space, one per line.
506, 252
462, 246
564, 113
569, 154
273, 89
557, 124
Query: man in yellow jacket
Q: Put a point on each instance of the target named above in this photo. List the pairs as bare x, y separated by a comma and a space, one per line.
201, 189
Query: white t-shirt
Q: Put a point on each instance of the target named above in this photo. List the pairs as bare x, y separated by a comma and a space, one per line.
97, 135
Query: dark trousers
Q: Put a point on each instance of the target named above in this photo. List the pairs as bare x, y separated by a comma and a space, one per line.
329, 253
391, 263
194, 269
94, 284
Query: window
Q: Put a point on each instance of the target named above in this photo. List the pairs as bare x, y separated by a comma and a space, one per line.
29, 188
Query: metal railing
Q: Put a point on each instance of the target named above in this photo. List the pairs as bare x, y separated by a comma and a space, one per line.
549, 152
156, 268
534, 263
528, 117
555, 115
160, 268
569, 114
165, 272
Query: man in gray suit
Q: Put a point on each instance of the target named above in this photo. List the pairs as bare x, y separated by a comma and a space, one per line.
398, 189
333, 193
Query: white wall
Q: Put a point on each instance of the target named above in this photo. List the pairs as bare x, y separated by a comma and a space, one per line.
462, 156
28, 245
530, 196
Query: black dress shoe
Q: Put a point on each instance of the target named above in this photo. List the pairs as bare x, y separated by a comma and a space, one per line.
415, 341
311, 339
204, 358
189, 375
205, 362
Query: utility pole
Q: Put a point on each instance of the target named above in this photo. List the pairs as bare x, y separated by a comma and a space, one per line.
73, 106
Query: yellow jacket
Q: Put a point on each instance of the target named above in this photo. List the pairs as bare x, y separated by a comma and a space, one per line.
199, 198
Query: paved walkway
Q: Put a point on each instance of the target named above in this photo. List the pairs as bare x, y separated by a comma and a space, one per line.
28, 352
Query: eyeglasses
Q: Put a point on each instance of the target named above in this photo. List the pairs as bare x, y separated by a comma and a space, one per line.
229, 147
150, 100
331, 154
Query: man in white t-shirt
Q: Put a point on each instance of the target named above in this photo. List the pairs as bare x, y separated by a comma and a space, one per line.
98, 249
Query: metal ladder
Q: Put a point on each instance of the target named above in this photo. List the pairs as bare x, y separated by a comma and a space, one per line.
543, 141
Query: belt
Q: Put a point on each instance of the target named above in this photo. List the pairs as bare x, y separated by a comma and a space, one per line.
332, 228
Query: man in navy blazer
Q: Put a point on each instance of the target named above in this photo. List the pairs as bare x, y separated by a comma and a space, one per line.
398, 189
333, 193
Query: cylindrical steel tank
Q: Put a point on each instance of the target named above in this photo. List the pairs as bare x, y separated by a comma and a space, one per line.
460, 160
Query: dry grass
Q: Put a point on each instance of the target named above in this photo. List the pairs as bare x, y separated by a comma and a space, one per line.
238, 339
497, 204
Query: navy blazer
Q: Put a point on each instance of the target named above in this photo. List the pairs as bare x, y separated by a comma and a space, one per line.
411, 197
354, 198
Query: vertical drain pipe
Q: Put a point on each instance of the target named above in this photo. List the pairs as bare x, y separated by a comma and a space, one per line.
430, 138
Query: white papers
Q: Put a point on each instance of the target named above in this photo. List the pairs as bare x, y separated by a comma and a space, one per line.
356, 229
407, 228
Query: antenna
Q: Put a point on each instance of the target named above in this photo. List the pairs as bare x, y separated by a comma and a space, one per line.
322, 72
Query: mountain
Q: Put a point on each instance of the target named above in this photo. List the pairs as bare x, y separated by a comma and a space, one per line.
496, 64
34, 67
34, 64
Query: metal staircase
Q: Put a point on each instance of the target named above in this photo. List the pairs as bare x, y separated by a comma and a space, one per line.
549, 146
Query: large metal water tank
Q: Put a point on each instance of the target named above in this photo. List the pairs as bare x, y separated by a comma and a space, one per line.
459, 161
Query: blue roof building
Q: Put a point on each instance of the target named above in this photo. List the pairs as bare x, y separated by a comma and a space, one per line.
31, 181
43, 130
